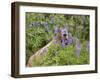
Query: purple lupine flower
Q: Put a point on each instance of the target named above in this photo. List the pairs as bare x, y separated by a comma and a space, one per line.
45, 24
46, 27
78, 48
88, 46
70, 38
37, 24
52, 19
34, 24
56, 30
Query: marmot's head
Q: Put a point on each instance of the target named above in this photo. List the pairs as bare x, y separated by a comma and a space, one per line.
61, 35
64, 33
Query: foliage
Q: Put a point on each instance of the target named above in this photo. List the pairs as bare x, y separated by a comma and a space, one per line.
40, 31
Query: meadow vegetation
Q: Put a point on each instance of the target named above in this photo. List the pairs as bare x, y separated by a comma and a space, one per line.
40, 31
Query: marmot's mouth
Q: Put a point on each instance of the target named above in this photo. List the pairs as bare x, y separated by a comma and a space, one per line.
64, 41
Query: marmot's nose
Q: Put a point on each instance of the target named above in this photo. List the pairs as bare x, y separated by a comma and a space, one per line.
64, 34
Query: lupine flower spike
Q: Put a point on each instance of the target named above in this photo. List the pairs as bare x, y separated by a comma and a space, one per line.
78, 48
46, 27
